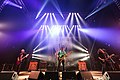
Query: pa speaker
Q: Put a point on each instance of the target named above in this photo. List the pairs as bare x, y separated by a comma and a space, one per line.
51, 76
68, 75
8, 75
36, 75
112, 75
84, 75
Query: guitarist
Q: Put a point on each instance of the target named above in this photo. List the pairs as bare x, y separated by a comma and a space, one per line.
61, 55
21, 61
104, 59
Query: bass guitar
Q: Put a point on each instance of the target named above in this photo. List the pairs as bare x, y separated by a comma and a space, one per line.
108, 59
21, 59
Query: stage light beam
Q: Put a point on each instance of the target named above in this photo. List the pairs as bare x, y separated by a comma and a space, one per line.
79, 37
81, 19
41, 9
56, 5
40, 20
40, 49
13, 4
71, 21
51, 19
46, 19
55, 30
78, 22
79, 48
85, 58
99, 9
55, 19
67, 19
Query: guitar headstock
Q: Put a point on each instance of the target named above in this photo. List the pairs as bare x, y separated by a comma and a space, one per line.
113, 55
27, 55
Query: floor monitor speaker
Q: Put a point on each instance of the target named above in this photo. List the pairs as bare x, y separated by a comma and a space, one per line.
84, 75
51, 75
36, 75
112, 75
8, 75
69, 75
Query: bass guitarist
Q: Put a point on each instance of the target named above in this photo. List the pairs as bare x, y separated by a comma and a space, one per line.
105, 60
21, 61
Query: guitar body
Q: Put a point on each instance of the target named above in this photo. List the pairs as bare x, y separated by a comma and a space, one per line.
63, 56
61, 59
18, 62
20, 59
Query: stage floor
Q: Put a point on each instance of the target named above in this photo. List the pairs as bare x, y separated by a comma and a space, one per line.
97, 75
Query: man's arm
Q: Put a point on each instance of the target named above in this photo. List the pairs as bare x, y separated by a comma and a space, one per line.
103, 60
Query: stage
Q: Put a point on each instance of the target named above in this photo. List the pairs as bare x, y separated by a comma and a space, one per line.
93, 75
51, 74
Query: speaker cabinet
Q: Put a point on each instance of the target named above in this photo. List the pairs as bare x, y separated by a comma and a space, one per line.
51, 76
33, 66
68, 75
112, 75
8, 75
82, 66
84, 75
36, 75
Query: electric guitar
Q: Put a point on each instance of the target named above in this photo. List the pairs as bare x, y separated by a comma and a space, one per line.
108, 58
64, 56
21, 59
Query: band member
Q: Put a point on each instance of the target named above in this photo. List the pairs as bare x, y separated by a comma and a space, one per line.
61, 56
21, 60
105, 60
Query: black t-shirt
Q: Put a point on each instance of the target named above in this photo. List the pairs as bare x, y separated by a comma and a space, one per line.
102, 55
22, 55
24, 62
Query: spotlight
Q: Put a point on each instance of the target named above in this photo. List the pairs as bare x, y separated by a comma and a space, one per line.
20, 7
40, 49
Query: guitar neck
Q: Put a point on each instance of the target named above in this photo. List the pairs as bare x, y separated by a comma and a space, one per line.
25, 56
